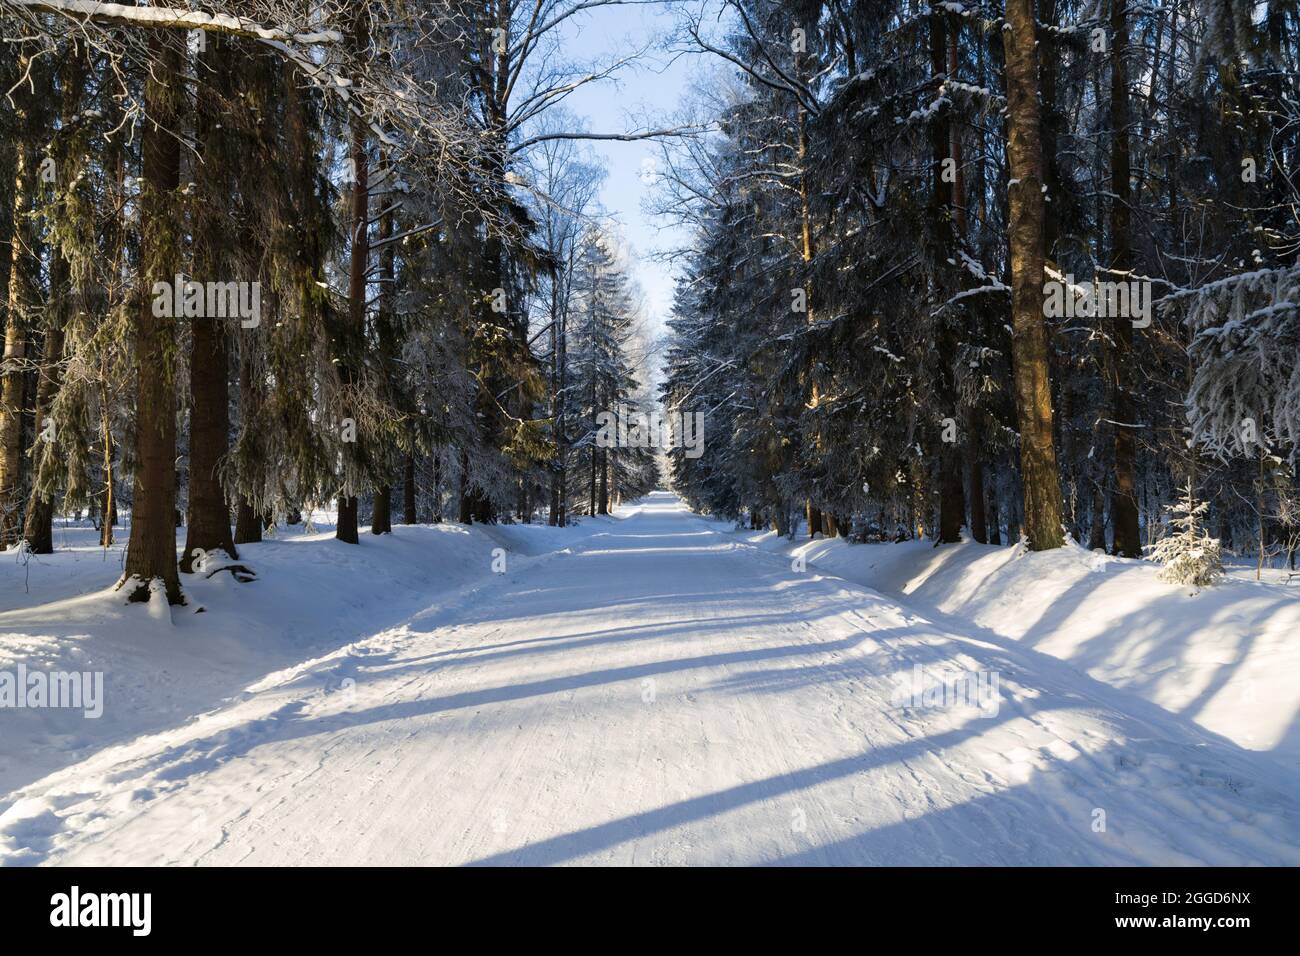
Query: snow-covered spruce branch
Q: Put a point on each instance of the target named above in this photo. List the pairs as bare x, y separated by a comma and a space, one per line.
176, 18
1245, 339
397, 111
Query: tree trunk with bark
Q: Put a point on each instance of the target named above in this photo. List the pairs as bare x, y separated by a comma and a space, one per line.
359, 260
248, 524
952, 500
108, 498
151, 551
975, 477
38, 530
1033, 394
409, 515
1097, 520
603, 504
994, 519
207, 526
381, 520
24, 269
1127, 538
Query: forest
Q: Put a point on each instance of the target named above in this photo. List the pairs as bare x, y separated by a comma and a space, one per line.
900, 218
439, 314
650, 432
924, 234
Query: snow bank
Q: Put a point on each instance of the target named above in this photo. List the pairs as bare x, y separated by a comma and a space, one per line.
314, 595
1226, 657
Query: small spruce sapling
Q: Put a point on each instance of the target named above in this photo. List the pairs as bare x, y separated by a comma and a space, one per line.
1190, 555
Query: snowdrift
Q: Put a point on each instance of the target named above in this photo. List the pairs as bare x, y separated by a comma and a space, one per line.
1226, 657
160, 666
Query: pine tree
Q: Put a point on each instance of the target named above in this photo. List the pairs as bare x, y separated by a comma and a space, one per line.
1039, 476
63, 297
23, 296
1190, 556
151, 552
207, 524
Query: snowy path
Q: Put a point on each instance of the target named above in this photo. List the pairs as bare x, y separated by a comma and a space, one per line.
665, 695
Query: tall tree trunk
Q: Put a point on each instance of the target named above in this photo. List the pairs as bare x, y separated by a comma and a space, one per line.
381, 519
1123, 501
484, 511
409, 515
994, 519
117, 243
207, 525
252, 402
978, 521
952, 501
359, 260
437, 488
1097, 520
381, 514
151, 551
466, 505
39, 528
561, 424
553, 518
1053, 126
248, 523
109, 498
604, 481
1225, 522
974, 461
22, 293
806, 252
1039, 475
954, 134
1261, 532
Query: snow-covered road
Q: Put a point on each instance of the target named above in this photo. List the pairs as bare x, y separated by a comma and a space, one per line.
662, 694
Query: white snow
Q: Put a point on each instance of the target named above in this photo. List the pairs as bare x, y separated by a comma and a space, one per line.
177, 17
315, 595
1225, 656
646, 689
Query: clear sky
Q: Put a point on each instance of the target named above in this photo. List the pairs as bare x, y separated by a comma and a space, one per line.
646, 92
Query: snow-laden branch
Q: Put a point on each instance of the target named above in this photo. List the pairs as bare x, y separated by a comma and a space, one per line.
670, 131
175, 18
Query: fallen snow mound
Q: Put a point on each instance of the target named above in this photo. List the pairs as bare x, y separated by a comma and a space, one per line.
1225, 656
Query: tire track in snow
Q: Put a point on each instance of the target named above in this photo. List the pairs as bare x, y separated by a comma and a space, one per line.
509, 726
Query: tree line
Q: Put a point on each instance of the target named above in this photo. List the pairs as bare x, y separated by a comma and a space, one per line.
1023, 268
262, 256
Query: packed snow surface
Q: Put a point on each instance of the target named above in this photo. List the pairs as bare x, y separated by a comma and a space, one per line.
647, 690
1224, 656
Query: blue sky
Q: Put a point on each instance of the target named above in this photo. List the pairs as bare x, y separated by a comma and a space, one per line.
650, 89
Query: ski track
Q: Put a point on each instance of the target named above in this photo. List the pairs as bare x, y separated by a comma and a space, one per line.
660, 694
